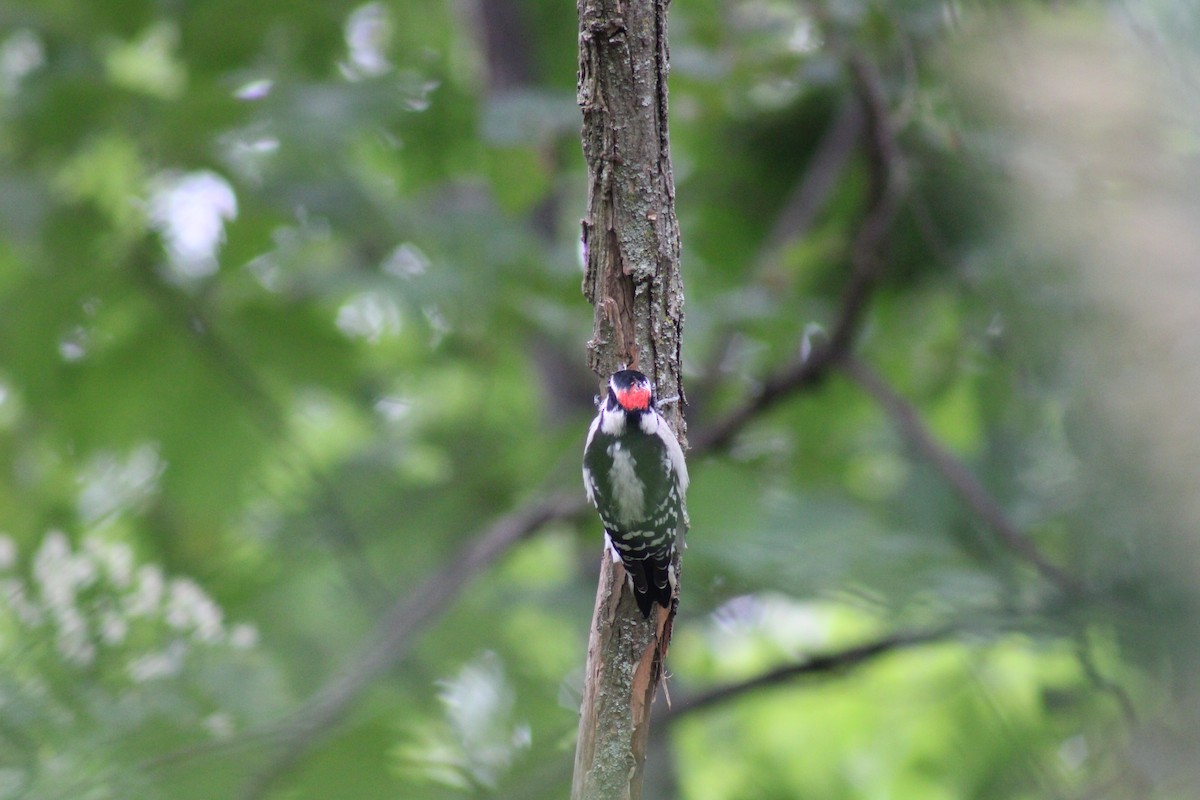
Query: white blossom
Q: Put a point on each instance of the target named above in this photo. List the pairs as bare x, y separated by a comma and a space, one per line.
146, 598
17, 599
58, 573
73, 641
113, 627
190, 210
115, 558
123, 601
166, 663
243, 636
190, 608
219, 724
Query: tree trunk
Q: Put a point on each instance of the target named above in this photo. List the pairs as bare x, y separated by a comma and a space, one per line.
631, 241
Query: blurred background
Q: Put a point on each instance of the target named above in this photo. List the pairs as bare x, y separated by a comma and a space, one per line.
293, 396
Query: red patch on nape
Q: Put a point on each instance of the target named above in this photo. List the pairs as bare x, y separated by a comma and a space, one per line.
635, 398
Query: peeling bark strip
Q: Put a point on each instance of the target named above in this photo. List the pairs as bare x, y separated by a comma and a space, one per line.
631, 242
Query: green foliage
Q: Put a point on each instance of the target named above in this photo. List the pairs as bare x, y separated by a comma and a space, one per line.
936, 724
290, 312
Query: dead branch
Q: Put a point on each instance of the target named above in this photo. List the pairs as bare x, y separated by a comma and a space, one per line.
960, 478
885, 193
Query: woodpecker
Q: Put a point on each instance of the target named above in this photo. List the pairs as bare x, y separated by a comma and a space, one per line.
636, 477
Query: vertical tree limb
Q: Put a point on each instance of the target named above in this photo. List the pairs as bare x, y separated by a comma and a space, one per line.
631, 242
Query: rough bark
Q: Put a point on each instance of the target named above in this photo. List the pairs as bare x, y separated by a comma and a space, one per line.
631, 241
630, 234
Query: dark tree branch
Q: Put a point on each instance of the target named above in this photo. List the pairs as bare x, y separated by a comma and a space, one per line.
964, 483
837, 662
394, 635
885, 193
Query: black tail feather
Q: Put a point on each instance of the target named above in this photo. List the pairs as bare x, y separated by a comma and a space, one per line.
651, 579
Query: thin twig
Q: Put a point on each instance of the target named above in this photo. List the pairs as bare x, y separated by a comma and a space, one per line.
1088, 662
886, 190
964, 483
819, 665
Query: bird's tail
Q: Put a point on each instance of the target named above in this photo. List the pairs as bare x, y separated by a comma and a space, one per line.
653, 581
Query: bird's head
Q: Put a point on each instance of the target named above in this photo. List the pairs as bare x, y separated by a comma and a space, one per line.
631, 391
